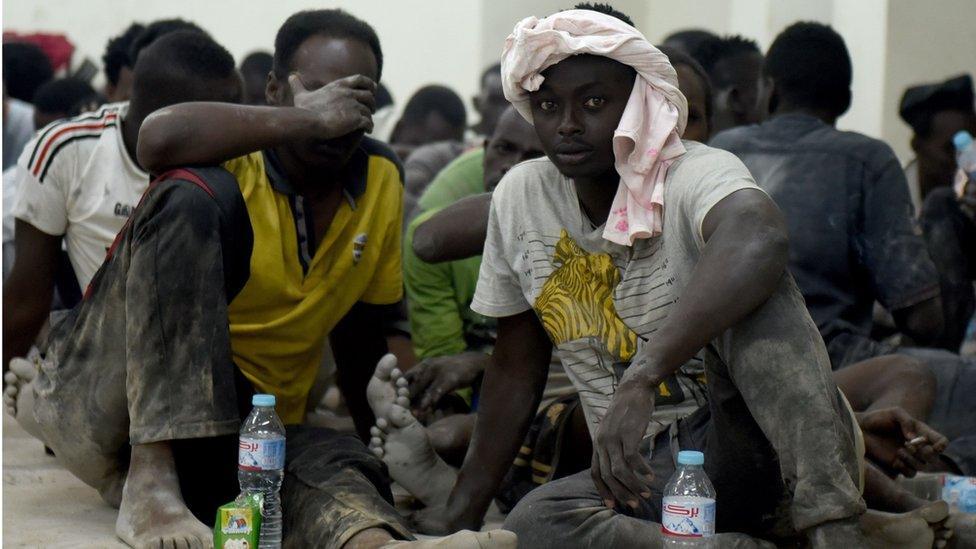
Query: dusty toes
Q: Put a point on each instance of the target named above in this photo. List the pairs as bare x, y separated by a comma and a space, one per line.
386, 366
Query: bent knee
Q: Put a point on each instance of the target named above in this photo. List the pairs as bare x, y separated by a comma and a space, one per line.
551, 514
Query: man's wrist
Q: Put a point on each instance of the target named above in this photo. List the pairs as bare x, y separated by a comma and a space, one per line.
645, 373
465, 511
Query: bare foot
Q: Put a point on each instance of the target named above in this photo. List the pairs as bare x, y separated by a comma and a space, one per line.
18, 394
401, 441
838, 533
387, 386
465, 539
152, 514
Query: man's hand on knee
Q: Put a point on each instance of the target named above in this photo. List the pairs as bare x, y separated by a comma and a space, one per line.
899, 443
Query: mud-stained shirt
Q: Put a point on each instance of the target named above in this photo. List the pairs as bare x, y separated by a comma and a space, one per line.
853, 235
599, 301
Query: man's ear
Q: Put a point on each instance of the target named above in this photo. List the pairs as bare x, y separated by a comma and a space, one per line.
916, 143
735, 102
476, 101
274, 90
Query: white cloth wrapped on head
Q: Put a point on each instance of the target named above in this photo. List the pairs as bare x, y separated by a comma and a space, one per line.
648, 137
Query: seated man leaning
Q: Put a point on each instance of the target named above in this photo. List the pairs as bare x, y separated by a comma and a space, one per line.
227, 281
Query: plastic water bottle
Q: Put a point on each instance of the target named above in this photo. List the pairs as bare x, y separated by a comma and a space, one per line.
965, 159
959, 493
688, 512
261, 464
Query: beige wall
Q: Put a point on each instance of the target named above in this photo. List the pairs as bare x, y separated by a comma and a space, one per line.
893, 43
423, 41
927, 41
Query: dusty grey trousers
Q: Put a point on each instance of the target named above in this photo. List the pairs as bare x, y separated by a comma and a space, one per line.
145, 357
778, 443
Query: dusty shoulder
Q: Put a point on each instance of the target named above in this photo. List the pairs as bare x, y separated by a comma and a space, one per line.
702, 160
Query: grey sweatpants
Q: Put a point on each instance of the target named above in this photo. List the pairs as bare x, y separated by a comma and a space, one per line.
145, 357
778, 440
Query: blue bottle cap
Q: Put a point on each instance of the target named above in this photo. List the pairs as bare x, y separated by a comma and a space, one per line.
263, 400
962, 139
691, 457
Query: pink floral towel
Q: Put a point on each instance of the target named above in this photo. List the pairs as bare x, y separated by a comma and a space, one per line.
646, 141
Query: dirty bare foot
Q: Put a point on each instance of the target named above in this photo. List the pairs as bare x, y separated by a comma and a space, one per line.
401, 441
387, 387
152, 513
18, 394
838, 533
904, 530
465, 539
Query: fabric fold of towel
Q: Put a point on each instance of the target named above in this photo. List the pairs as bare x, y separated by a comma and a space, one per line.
647, 139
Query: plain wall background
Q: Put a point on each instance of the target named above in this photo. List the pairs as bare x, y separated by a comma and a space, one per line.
893, 43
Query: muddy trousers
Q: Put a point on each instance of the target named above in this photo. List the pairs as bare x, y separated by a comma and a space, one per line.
146, 357
778, 439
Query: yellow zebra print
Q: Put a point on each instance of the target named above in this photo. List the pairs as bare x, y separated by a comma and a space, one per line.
576, 301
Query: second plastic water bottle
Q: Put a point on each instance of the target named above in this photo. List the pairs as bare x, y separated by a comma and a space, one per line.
688, 510
965, 159
261, 464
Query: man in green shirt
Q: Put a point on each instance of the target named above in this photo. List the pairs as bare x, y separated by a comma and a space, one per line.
448, 337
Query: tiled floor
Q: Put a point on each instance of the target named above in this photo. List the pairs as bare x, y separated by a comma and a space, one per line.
44, 505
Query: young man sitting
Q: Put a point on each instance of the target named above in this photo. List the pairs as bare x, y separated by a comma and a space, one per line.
226, 281
78, 180
578, 254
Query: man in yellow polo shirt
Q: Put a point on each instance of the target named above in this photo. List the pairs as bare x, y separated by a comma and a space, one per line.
226, 282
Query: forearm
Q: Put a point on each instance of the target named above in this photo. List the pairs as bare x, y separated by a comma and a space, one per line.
22, 319
456, 232
888, 381
510, 394
189, 134
28, 289
739, 269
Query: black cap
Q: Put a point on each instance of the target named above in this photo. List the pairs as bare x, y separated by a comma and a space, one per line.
920, 103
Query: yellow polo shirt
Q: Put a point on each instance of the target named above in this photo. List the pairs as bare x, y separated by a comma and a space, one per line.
293, 297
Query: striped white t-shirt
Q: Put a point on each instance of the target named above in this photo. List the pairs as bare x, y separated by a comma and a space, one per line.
75, 178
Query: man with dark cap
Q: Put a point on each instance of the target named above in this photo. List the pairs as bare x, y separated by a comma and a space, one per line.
936, 111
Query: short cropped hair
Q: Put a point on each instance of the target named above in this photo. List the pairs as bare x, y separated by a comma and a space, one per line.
258, 63
334, 23
679, 57
714, 50
117, 52
811, 67
605, 9
25, 69
181, 56
435, 99
65, 95
156, 29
